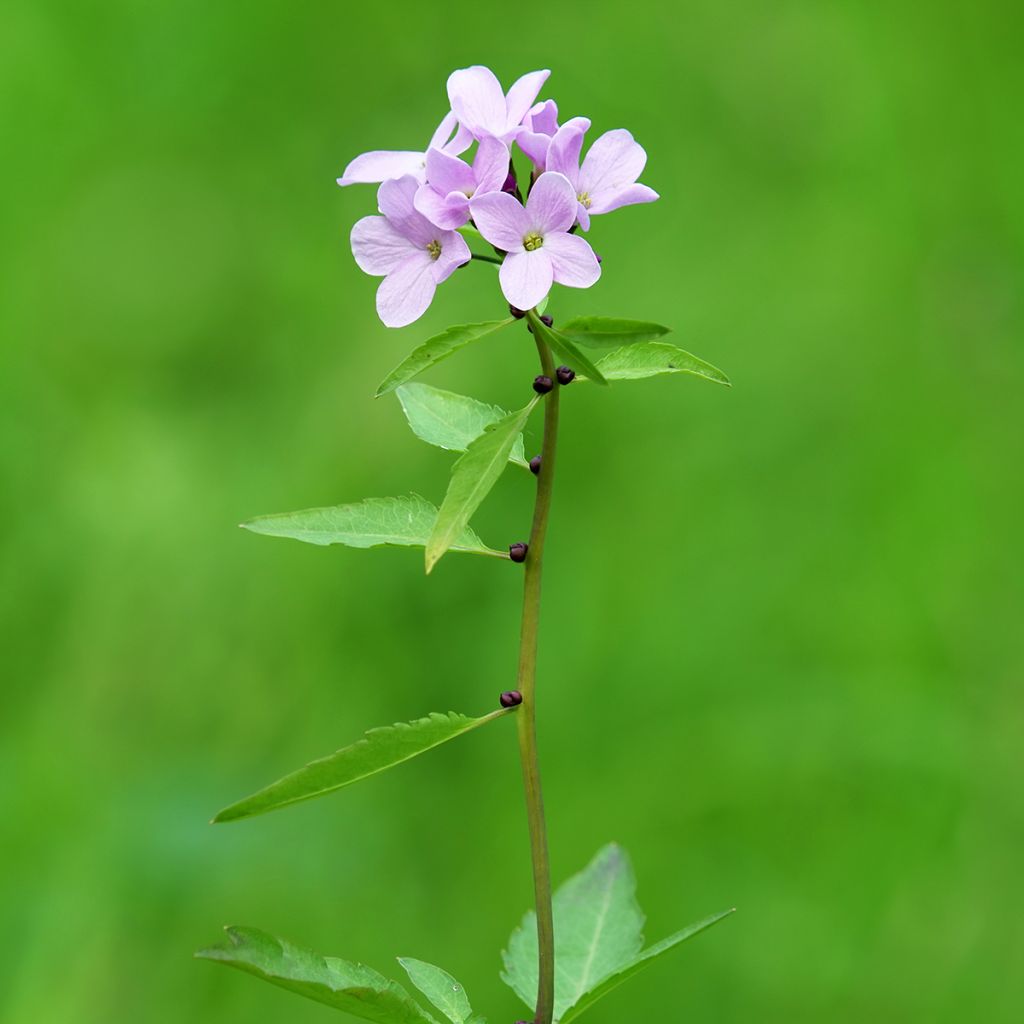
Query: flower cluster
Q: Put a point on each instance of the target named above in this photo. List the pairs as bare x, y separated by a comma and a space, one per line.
426, 197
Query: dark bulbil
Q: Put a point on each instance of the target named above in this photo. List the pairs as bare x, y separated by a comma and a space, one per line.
547, 321
542, 385
517, 313
510, 699
535, 465
565, 375
517, 551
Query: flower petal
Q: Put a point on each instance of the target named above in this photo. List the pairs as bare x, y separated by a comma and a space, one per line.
526, 278
612, 162
552, 204
572, 260
396, 200
377, 246
501, 219
583, 217
607, 201
543, 118
448, 173
564, 152
522, 94
490, 166
405, 294
443, 133
442, 211
382, 165
478, 101
535, 146
454, 254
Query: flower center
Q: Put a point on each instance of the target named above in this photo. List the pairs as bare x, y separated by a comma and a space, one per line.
434, 248
532, 241
584, 199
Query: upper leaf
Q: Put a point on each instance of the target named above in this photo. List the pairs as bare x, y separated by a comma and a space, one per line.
610, 331
598, 929
645, 959
379, 749
565, 349
405, 521
650, 358
436, 349
473, 476
354, 988
440, 988
451, 421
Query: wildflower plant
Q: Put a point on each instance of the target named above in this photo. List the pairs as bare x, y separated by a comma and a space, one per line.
439, 210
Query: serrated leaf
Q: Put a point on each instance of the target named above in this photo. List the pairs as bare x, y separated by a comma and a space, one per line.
437, 349
610, 331
473, 475
565, 349
354, 988
451, 421
645, 959
404, 521
440, 988
651, 358
598, 929
379, 749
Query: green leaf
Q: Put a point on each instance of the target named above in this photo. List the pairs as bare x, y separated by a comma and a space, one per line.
440, 988
346, 986
378, 749
451, 421
610, 331
565, 349
404, 521
651, 358
598, 928
473, 475
645, 959
436, 349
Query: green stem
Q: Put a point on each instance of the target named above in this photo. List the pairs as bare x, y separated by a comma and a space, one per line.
526, 686
486, 259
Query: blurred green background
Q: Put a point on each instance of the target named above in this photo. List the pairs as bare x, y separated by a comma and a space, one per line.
782, 657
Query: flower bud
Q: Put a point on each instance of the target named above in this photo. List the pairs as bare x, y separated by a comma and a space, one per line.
542, 385
510, 699
535, 465
517, 551
565, 375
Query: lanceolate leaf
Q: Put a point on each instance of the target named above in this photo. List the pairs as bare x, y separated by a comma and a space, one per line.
451, 421
610, 331
566, 350
405, 521
645, 959
436, 349
473, 476
354, 988
440, 988
651, 358
378, 749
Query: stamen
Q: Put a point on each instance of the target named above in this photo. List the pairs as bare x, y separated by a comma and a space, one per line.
532, 241
434, 248
585, 200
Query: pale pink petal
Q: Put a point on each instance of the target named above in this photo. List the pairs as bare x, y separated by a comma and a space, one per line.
454, 254
501, 219
552, 204
478, 101
377, 246
448, 173
543, 118
522, 94
526, 278
461, 141
443, 211
607, 201
405, 294
443, 133
381, 165
583, 217
490, 166
564, 153
612, 162
396, 200
572, 260
535, 146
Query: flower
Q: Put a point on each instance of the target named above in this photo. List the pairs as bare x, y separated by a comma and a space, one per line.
536, 240
607, 178
388, 164
451, 183
539, 127
482, 107
412, 254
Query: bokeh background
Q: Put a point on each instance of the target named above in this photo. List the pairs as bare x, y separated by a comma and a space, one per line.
781, 659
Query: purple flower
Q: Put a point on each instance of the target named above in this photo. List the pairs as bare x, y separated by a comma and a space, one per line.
482, 107
387, 164
536, 239
451, 183
412, 254
539, 128
607, 178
